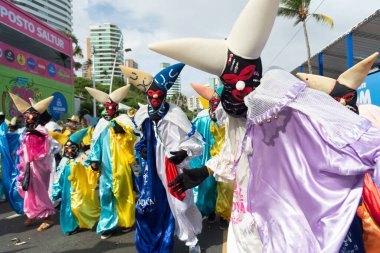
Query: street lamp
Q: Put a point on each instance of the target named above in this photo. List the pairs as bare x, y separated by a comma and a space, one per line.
93, 79
117, 50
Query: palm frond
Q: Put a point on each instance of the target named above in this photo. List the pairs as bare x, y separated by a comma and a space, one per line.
323, 19
286, 12
291, 4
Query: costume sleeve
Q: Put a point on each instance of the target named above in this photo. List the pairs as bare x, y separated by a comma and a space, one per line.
222, 163
96, 151
58, 185
368, 150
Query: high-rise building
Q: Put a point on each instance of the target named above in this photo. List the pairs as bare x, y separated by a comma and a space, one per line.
176, 88
58, 14
107, 42
193, 103
130, 63
213, 82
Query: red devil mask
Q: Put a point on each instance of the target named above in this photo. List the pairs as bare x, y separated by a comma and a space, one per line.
240, 77
111, 109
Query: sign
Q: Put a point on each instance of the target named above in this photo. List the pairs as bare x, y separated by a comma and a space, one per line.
34, 65
58, 106
369, 91
21, 21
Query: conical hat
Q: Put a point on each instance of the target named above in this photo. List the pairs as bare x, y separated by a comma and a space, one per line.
138, 78
32, 102
166, 77
352, 78
99, 95
59, 137
20, 103
203, 91
118, 95
42, 106
321, 83
355, 76
78, 136
247, 39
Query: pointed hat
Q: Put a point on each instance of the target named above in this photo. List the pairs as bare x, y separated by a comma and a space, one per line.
247, 40
166, 77
203, 91
78, 136
138, 78
20, 103
116, 96
352, 78
355, 76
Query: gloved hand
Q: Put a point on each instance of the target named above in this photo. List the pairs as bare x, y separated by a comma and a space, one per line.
189, 179
118, 129
95, 166
178, 156
35, 132
143, 153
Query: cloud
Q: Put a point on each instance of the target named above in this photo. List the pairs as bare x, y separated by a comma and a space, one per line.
147, 21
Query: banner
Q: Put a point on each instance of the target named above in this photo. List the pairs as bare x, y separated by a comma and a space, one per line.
369, 91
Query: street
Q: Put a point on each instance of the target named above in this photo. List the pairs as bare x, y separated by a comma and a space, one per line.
15, 237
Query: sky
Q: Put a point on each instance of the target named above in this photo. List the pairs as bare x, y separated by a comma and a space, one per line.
147, 21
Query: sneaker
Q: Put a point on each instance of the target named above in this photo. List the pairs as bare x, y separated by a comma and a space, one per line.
126, 230
211, 218
106, 234
74, 231
223, 224
195, 249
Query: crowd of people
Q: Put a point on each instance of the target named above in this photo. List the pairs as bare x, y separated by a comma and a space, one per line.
288, 164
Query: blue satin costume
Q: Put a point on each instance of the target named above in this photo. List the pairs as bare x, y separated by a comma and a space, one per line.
62, 189
205, 194
9, 144
155, 223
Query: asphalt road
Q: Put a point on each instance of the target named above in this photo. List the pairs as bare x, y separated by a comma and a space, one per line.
53, 241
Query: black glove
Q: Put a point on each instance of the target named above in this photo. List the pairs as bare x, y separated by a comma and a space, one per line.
143, 153
84, 148
95, 166
35, 132
118, 129
178, 156
2, 118
189, 179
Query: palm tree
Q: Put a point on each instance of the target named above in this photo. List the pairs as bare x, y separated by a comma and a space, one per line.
299, 9
77, 50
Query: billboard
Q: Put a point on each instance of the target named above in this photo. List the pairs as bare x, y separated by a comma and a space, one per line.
369, 91
35, 62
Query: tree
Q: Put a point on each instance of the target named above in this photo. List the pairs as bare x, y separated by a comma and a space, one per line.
77, 50
299, 9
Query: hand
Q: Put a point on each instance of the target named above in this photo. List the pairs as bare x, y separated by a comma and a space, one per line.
118, 129
178, 156
189, 179
95, 166
143, 153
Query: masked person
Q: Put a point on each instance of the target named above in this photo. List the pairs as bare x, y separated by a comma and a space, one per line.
237, 62
168, 142
9, 144
112, 152
36, 163
209, 196
75, 186
343, 89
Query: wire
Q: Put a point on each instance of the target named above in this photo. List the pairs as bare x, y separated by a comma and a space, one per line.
292, 38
